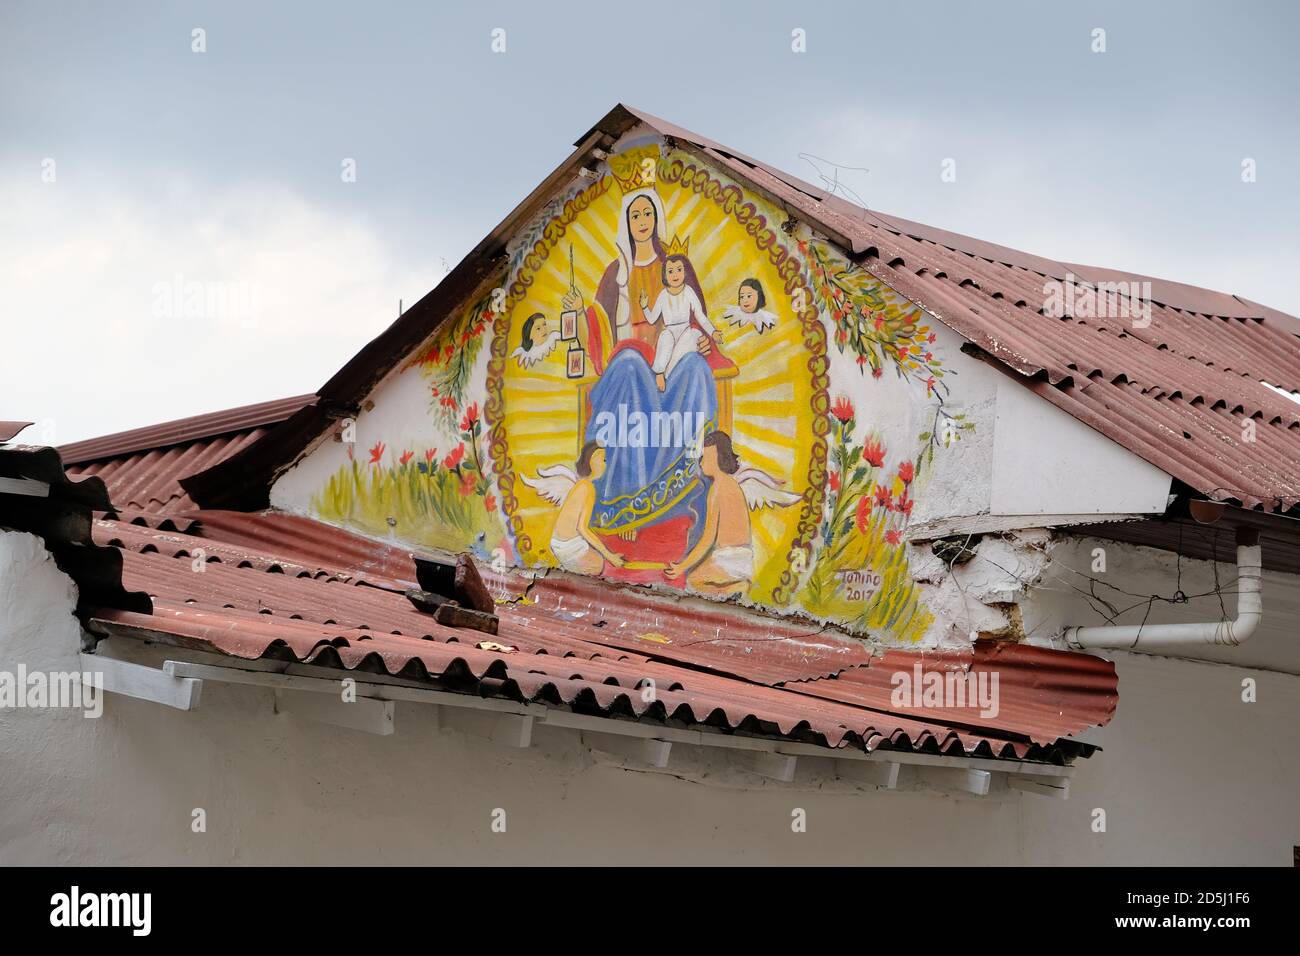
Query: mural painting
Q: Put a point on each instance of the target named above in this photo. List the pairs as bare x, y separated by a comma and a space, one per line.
670, 395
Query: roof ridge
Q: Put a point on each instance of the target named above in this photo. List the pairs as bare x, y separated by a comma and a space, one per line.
182, 430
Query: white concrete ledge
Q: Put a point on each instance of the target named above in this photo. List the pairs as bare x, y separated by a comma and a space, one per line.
512, 723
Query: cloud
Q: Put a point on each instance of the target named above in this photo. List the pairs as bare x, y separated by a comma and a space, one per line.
275, 295
1080, 199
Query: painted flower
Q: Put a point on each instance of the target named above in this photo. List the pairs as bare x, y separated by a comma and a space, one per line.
406, 456
873, 454
883, 498
879, 321
904, 505
490, 502
376, 453
877, 372
843, 410
893, 537
470, 418
907, 471
467, 481
429, 455
929, 386
835, 481
931, 337
454, 457
862, 515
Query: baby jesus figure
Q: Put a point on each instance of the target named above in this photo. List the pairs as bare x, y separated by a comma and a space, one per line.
676, 305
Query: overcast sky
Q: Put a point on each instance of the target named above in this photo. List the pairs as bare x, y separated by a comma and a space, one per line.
130, 164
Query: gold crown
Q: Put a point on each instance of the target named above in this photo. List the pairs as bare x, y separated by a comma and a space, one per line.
678, 246
635, 168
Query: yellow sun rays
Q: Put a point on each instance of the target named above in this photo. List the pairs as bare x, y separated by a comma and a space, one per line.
771, 392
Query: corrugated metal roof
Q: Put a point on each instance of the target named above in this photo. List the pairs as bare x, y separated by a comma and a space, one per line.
143, 467
62, 518
183, 430
1177, 393
282, 586
9, 429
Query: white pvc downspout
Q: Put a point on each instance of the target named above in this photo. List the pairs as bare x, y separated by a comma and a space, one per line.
1250, 608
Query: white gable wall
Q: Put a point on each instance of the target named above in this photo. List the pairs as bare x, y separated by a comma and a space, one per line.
1026, 457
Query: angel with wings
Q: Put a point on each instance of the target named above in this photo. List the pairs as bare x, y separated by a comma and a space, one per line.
751, 308
537, 340
722, 561
575, 544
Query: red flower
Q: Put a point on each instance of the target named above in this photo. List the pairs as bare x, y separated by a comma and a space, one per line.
376, 453
907, 471
863, 514
843, 410
883, 498
893, 537
406, 456
454, 457
929, 386
490, 502
931, 337
449, 401
879, 321
877, 372
835, 481
470, 419
467, 484
862, 360
429, 455
904, 505
873, 454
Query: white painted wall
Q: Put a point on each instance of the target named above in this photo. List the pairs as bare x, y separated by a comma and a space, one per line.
1027, 457
1145, 571
1024, 457
1047, 462
1189, 775
1051, 578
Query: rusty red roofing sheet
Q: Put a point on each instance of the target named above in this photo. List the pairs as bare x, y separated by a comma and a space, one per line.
62, 519
1176, 393
143, 468
149, 481
9, 429
272, 585
183, 430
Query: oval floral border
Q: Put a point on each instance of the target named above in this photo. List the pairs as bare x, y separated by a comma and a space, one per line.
685, 174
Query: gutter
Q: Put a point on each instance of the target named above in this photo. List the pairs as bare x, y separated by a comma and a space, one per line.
1250, 608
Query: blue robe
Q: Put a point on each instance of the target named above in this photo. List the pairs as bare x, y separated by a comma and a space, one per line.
644, 485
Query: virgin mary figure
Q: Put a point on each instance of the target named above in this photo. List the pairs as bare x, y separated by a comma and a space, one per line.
650, 499
616, 314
